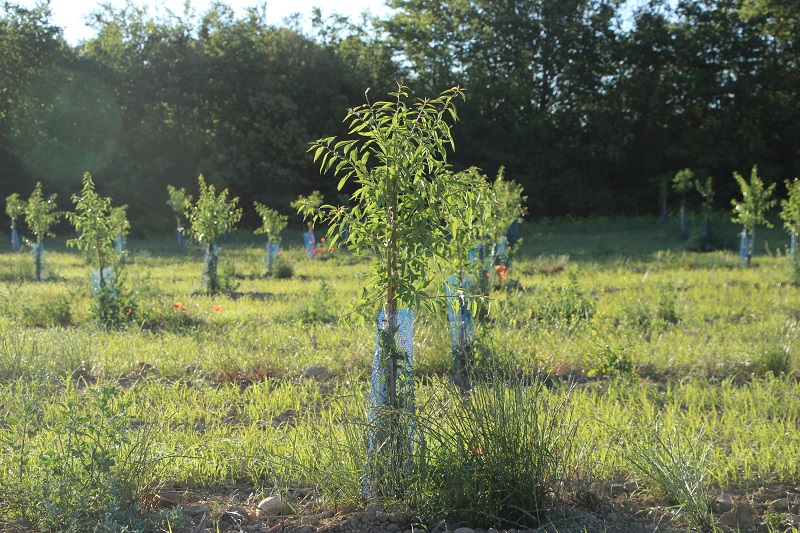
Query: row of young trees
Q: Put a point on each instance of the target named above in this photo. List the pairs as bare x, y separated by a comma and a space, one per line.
587, 103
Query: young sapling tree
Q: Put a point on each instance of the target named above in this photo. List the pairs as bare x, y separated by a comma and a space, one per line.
179, 202
507, 199
97, 234
210, 217
683, 183
396, 154
272, 224
466, 227
706, 190
310, 203
790, 213
15, 208
40, 216
119, 219
751, 210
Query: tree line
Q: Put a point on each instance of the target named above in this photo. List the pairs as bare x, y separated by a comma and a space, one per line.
589, 104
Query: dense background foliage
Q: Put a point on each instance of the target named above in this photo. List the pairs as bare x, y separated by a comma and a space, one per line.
587, 103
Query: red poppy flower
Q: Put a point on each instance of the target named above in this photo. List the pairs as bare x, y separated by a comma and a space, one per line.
479, 450
128, 310
185, 310
323, 239
315, 250
217, 308
177, 305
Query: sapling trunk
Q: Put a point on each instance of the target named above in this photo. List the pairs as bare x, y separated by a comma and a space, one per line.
391, 291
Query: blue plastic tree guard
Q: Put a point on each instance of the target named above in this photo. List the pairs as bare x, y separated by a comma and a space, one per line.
121, 241
210, 262
746, 243
180, 239
15, 245
103, 282
272, 253
462, 327
309, 242
378, 431
39, 264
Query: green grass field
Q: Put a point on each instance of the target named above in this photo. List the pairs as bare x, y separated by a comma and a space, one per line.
626, 359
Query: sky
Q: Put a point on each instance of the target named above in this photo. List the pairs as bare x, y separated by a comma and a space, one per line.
70, 14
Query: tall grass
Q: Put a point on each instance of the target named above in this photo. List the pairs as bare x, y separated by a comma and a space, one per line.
707, 347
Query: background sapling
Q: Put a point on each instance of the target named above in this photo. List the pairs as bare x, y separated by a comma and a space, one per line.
97, 234
506, 209
706, 190
40, 216
119, 219
15, 208
682, 183
211, 217
790, 213
179, 202
272, 224
309, 204
751, 210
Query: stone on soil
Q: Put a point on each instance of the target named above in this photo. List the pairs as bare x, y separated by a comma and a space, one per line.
781, 504
741, 517
273, 505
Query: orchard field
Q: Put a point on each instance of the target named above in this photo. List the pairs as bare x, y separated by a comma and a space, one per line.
622, 382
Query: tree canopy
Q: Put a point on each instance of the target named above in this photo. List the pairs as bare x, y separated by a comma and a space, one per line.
587, 103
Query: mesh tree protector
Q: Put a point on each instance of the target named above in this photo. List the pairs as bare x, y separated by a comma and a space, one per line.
272, 253
462, 328
209, 278
180, 239
746, 243
39, 264
103, 281
386, 427
15, 244
120, 244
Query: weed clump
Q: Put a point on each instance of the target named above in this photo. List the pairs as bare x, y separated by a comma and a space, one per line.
563, 303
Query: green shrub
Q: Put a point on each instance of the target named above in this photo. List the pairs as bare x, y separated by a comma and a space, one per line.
84, 465
563, 303
283, 269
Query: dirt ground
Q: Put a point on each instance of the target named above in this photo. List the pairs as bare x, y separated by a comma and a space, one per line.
622, 507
